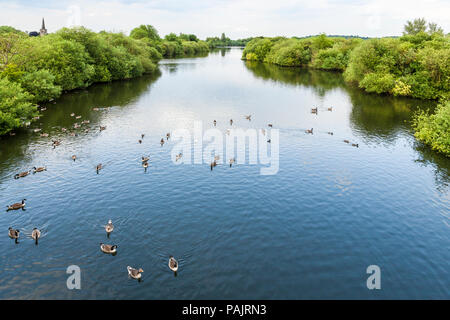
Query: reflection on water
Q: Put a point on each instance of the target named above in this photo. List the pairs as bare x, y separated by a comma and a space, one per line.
331, 211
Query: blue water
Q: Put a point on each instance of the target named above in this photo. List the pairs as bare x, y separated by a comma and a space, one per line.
309, 231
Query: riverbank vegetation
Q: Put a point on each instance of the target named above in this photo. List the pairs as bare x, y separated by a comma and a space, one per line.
172, 45
38, 69
434, 129
415, 65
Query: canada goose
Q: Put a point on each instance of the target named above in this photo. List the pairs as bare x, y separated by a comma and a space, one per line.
309, 131
37, 130
178, 156
39, 169
346, 141
145, 159
102, 128
213, 164
330, 133
249, 117
44, 134
355, 145
78, 117
36, 234
232, 160
135, 273
140, 141
13, 233
21, 174
330, 109
98, 167
145, 165
162, 142
215, 123
108, 248
167, 136
72, 114
17, 206
142, 136
55, 143
314, 110
270, 125
173, 264
74, 157
109, 227
231, 122
269, 141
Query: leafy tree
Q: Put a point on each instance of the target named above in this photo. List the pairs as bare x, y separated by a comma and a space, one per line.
416, 26
145, 31
41, 84
15, 106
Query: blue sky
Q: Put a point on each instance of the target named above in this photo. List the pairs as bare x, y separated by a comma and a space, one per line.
237, 18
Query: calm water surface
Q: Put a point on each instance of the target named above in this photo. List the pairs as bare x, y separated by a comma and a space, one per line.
309, 231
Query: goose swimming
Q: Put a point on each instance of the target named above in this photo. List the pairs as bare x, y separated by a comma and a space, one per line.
17, 206
39, 169
13, 233
99, 167
310, 131
173, 264
74, 157
21, 174
162, 142
145, 159
135, 273
249, 117
232, 160
108, 248
215, 123
314, 110
109, 227
36, 234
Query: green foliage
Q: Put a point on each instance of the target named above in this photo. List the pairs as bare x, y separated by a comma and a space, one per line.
224, 41
41, 84
15, 106
145, 31
434, 129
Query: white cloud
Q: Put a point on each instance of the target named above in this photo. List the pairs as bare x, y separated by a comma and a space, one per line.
237, 18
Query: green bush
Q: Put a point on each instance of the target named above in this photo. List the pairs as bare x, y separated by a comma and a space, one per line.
434, 129
41, 84
16, 107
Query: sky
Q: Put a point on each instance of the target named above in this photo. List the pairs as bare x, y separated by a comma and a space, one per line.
237, 18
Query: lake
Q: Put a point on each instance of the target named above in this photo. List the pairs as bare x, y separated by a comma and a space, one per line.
307, 232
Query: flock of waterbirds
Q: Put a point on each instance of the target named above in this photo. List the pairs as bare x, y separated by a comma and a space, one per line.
135, 273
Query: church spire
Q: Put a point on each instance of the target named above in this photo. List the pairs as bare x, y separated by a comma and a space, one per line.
43, 31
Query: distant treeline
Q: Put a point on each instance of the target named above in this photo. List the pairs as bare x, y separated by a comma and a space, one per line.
172, 45
224, 41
